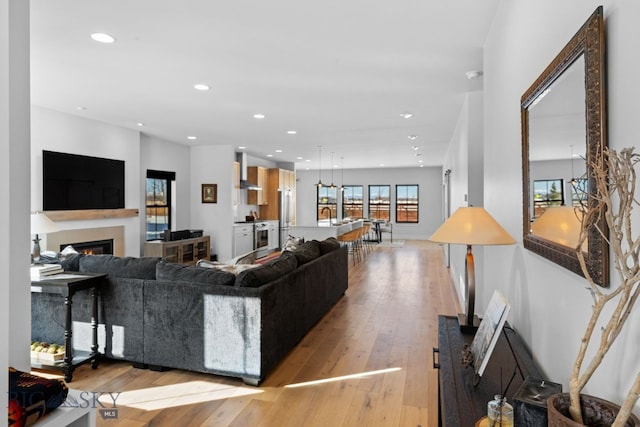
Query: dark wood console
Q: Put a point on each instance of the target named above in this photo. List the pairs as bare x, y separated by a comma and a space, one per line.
461, 402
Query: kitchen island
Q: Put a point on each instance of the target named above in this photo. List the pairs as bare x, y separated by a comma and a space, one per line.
322, 231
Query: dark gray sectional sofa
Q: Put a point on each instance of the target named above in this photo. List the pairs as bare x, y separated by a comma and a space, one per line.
164, 315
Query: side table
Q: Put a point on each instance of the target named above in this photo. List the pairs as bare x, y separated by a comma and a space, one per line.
67, 284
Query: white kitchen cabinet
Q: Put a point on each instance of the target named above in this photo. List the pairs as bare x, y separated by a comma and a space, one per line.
242, 239
273, 234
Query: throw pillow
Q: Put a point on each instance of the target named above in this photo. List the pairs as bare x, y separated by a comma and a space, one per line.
292, 243
168, 271
268, 272
35, 396
329, 244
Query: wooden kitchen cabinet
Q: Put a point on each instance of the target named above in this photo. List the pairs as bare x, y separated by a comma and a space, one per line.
279, 179
258, 175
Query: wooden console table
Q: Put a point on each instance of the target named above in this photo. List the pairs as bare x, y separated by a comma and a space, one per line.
461, 402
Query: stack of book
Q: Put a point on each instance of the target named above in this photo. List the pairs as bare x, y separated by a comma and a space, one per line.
38, 271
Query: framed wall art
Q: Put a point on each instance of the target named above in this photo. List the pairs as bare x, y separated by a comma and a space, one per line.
209, 193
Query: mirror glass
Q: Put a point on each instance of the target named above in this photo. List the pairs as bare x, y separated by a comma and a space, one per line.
563, 128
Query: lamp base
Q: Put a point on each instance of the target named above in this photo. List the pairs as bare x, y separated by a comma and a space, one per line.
465, 327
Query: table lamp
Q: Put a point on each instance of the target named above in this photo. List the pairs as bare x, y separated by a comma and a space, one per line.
40, 224
560, 224
471, 226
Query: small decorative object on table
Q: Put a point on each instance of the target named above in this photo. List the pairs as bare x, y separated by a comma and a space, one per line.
530, 401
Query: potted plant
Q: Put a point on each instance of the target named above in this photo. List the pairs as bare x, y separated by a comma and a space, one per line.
614, 181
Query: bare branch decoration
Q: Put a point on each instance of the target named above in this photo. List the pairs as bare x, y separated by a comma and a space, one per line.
614, 177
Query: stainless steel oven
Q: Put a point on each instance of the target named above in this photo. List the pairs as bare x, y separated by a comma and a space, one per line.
261, 238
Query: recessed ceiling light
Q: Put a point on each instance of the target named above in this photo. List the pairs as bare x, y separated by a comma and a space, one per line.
278, 151
381, 165
258, 116
103, 38
201, 86
242, 147
192, 137
406, 115
299, 158
415, 147
421, 166
140, 124
269, 155
81, 108
307, 160
473, 74
420, 161
292, 132
412, 137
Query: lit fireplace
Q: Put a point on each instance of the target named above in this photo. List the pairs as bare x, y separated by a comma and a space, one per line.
96, 247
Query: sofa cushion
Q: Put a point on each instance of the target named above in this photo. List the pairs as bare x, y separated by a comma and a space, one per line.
267, 272
307, 251
329, 244
115, 266
168, 271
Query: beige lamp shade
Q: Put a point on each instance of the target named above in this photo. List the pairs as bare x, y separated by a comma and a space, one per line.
472, 226
560, 224
41, 224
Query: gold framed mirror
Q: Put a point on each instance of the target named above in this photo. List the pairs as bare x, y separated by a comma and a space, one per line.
563, 116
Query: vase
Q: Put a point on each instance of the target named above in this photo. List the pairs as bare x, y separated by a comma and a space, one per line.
596, 412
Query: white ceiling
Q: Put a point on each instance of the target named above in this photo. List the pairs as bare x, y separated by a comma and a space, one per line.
339, 72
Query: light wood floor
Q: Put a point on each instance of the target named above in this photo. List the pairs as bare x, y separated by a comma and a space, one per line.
373, 351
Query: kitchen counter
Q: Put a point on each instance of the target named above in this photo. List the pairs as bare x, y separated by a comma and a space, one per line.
319, 232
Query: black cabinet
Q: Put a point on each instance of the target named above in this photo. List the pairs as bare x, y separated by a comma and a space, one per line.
462, 401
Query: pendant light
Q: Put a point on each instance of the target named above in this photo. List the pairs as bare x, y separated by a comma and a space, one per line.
319, 184
573, 176
342, 174
332, 186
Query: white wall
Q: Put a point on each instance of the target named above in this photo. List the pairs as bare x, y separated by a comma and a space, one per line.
55, 131
430, 192
465, 160
550, 305
213, 165
15, 296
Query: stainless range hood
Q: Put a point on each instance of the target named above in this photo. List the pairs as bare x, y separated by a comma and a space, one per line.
244, 182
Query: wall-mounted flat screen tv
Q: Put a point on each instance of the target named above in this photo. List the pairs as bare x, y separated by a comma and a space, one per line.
75, 182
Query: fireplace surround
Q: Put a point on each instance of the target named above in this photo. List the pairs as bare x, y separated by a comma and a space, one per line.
55, 241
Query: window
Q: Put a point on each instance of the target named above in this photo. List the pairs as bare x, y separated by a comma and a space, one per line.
158, 202
327, 203
579, 191
407, 203
352, 201
546, 192
379, 202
